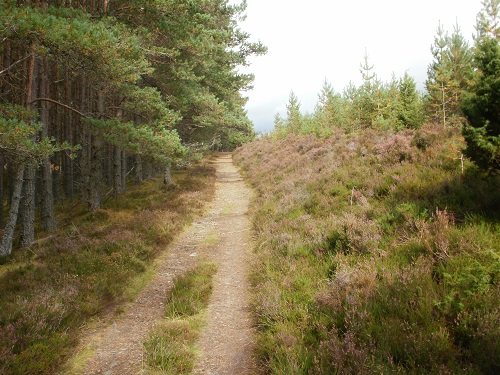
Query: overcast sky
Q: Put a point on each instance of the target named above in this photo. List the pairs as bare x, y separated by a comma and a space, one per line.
310, 41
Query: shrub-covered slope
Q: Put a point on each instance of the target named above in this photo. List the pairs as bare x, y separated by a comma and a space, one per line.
377, 253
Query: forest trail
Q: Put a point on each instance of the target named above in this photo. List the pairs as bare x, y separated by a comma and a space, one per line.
227, 342
221, 235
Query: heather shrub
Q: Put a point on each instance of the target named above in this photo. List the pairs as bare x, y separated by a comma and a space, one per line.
436, 235
88, 268
376, 253
352, 234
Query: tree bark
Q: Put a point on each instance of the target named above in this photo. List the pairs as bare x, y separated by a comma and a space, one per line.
28, 206
5, 64
47, 215
8, 234
94, 202
443, 103
58, 119
81, 138
138, 169
117, 156
66, 167
117, 170
124, 170
27, 233
167, 176
95, 162
148, 170
2, 163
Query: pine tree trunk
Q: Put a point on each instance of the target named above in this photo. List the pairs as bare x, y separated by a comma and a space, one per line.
95, 177
84, 161
2, 163
138, 169
109, 165
81, 139
8, 234
167, 176
94, 200
443, 102
69, 175
9, 184
28, 206
47, 196
27, 233
117, 170
5, 64
148, 170
124, 170
58, 120
67, 134
117, 156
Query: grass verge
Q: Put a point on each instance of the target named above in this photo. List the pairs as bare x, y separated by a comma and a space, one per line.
91, 266
376, 254
170, 348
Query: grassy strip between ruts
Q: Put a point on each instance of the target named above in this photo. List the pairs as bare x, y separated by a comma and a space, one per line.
170, 348
89, 267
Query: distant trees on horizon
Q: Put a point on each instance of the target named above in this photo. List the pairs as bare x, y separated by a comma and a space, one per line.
462, 92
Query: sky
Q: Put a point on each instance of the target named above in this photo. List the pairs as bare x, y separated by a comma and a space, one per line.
316, 40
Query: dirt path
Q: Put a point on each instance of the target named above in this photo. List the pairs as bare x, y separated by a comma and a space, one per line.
227, 343
222, 235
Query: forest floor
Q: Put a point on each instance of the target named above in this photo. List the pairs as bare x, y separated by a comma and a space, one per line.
222, 235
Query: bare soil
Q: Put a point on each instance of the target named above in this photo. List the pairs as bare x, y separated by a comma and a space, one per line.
221, 235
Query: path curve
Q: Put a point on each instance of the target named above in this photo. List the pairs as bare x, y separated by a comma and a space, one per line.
221, 235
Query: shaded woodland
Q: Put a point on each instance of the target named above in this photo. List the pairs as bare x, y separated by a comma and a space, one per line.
95, 94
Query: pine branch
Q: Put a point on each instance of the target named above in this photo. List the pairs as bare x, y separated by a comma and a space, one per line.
60, 104
14, 64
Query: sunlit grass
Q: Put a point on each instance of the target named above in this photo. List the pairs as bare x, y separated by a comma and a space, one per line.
94, 264
384, 260
170, 348
191, 292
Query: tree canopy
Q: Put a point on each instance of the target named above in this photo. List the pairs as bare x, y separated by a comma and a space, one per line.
462, 93
123, 85
481, 103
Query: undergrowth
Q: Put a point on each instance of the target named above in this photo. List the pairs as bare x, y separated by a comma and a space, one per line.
88, 268
170, 348
376, 254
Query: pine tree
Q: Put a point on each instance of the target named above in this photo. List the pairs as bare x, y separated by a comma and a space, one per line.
409, 109
279, 126
331, 111
121, 82
488, 20
439, 77
448, 75
324, 112
352, 96
294, 119
390, 114
460, 64
481, 104
369, 94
